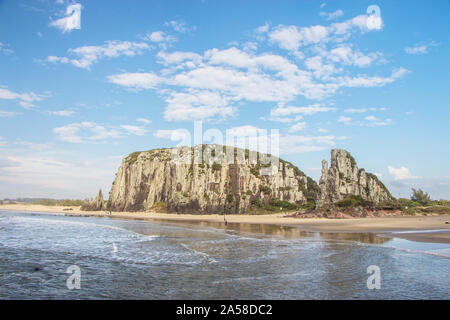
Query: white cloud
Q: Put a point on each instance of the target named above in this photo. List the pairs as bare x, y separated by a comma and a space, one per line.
363, 23
262, 29
196, 105
297, 127
417, 50
346, 55
239, 84
369, 121
292, 37
224, 85
88, 55
143, 120
71, 21
2, 142
178, 26
213, 84
5, 50
179, 57
344, 119
91, 132
332, 15
231, 57
353, 110
84, 131
250, 46
375, 81
375, 122
160, 37
283, 119
226, 77
63, 113
362, 110
321, 70
136, 130
25, 99
420, 48
308, 110
401, 173
156, 36
286, 37
55, 59
136, 80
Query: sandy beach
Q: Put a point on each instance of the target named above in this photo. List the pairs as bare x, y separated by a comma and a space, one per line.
418, 226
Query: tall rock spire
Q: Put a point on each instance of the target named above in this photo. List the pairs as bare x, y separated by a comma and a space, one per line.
344, 179
97, 204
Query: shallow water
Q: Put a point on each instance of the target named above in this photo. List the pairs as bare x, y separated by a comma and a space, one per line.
131, 259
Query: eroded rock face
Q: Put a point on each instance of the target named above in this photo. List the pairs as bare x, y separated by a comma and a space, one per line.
150, 179
344, 179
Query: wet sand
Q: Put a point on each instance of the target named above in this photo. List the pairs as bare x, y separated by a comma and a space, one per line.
386, 225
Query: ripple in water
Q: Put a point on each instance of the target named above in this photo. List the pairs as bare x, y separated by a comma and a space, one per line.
122, 259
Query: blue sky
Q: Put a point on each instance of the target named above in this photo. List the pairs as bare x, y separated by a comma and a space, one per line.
84, 83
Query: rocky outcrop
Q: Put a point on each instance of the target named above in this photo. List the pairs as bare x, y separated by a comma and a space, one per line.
223, 184
344, 179
97, 204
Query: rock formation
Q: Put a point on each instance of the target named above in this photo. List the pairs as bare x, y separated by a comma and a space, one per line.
153, 179
97, 204
344, 179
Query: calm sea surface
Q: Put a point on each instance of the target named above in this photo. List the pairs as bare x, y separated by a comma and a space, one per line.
126, 259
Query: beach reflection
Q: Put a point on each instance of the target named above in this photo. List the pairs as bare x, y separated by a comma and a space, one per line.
287, 232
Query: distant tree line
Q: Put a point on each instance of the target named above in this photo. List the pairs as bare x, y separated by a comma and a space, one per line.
48, 202
62, 202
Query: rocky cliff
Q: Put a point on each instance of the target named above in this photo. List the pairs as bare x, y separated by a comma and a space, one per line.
344, 179
153, 179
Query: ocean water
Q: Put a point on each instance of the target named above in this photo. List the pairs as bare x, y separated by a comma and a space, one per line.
137, 259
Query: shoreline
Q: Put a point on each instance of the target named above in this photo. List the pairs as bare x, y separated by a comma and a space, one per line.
420, 228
